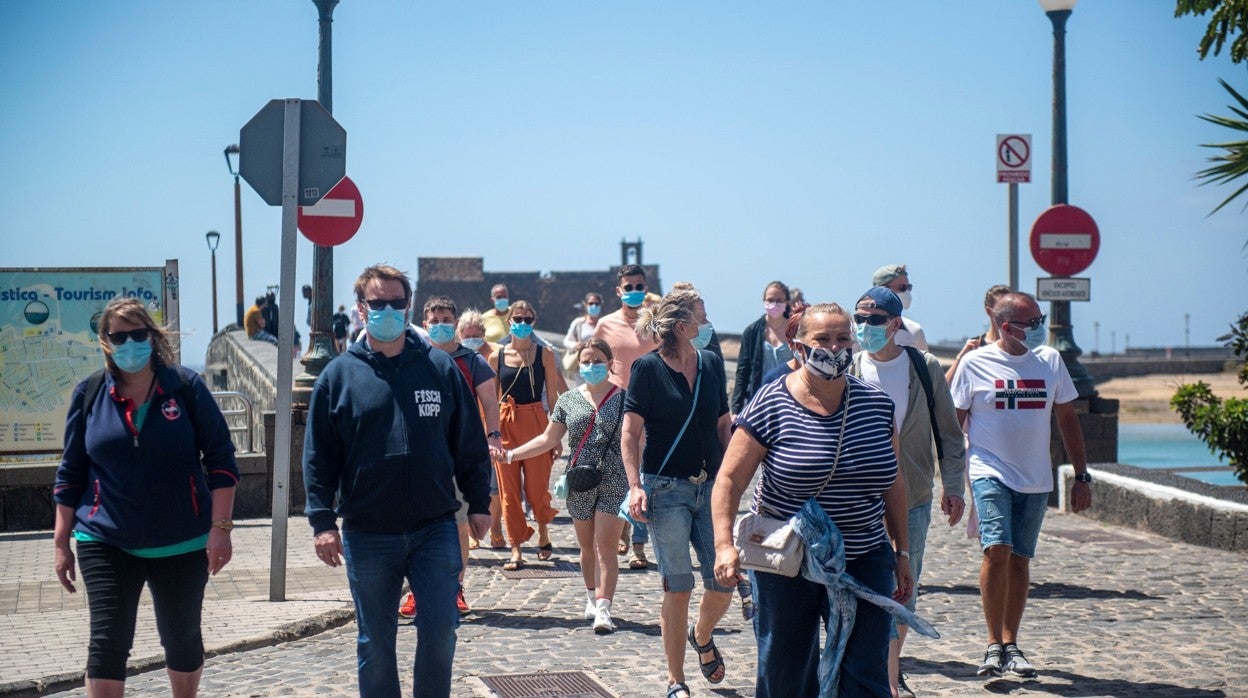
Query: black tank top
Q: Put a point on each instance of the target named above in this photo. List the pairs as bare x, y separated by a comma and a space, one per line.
523, 384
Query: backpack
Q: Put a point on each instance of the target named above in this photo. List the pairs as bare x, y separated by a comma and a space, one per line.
185, 391
925, 379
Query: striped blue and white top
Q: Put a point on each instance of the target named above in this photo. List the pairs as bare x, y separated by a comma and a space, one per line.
801, 446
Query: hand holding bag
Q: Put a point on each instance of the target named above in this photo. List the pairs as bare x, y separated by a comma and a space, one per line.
766, 544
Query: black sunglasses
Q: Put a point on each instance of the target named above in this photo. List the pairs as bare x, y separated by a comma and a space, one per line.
119, 338
638, 287
524, 320
381, 303
873, 320
1030, 324
902, 288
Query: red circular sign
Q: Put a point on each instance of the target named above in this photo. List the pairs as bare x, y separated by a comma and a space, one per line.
1064, 240
336, 217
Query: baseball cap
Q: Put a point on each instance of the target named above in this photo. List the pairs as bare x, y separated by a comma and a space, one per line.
887, 273
882, 298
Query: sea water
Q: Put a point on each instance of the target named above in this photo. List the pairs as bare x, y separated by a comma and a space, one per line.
1170, 446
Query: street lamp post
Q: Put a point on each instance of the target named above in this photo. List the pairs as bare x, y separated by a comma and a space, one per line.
213, 238
232, 149
1061, 333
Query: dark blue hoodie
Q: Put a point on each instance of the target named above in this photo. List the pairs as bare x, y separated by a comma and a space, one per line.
388, 438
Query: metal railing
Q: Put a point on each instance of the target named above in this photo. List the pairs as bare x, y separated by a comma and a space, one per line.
228, 401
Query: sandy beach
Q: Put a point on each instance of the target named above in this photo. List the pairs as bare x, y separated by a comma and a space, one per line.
1146, 399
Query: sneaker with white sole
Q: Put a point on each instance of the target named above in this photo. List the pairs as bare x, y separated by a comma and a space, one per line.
994, 660
591, 609
1016, 663
603, 623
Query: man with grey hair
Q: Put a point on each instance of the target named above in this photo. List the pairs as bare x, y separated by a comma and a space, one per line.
1004, 394
896, 278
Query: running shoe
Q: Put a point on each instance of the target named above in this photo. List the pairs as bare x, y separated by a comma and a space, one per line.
603, 623
994, 660
407, 609
1016, 663
461, 603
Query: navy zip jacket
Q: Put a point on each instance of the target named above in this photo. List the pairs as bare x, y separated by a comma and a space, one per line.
388, 438
149, 489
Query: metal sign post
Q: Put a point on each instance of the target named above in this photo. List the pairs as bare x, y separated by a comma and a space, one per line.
1013, 166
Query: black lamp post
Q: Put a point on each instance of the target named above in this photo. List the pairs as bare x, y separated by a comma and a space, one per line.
232, 149
1061, 334
213, 238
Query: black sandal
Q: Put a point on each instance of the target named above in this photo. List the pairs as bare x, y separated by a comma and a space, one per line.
678, 688
545, 552
716, 664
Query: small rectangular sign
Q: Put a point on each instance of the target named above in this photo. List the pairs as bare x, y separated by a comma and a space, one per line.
1065, 241
1064, 288
1013, 158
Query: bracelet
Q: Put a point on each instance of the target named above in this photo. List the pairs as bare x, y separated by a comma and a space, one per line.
510, 453
223, 524
903, 553
496, 434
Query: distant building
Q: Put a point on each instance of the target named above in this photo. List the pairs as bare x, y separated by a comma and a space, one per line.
556, 295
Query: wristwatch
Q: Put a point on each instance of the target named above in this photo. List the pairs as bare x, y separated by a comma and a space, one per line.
223, 524
903, 553
496, 434
1085, 476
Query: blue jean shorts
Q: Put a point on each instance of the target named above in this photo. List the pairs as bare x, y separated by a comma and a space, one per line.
680, 516
1007, 517
920, 519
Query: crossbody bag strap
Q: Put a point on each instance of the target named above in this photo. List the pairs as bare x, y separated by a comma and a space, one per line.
592, 419
697, 387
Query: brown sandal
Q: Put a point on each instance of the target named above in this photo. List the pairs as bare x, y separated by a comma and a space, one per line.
514, 565
638, 561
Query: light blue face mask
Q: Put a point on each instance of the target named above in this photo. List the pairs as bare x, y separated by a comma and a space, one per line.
872, 338
441, 332
501, 304
387, 324
1035, 338
593, 309
521, 330
593, 373
633, 299
132, 356
704, 336
473, 343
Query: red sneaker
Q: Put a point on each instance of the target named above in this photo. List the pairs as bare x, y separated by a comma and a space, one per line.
408, 608
461, 603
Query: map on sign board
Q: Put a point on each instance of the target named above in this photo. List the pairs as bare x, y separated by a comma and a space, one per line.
48, 343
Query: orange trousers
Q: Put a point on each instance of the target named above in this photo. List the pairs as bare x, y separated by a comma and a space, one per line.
529, 477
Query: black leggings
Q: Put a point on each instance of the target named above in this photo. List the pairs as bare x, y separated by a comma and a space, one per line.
114, 580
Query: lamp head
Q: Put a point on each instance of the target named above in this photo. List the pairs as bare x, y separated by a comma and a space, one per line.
213, 238
232, 149
1057, 5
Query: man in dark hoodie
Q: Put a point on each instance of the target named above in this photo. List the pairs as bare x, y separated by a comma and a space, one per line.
392, 429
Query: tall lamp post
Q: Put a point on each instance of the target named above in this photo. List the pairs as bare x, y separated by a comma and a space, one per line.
1061, 334
213, 238
232, 149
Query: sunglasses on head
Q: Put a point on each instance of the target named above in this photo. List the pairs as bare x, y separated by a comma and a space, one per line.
631, 287
523, 320
381, 303
874, 320
119, 338
1031, 324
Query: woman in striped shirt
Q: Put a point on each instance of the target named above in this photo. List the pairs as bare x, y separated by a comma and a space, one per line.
819, 433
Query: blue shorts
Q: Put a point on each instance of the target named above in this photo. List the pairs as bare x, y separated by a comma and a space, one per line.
1007, 517
680, 515
920, 519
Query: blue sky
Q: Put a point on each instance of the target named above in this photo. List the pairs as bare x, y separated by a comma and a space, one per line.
742, 142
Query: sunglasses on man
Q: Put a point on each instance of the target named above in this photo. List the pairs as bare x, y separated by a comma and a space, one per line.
873, 320
381, 303
1031, 324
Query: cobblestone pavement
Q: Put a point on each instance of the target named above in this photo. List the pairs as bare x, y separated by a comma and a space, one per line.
1112, 612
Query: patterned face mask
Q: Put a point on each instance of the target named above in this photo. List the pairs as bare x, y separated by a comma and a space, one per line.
826, 364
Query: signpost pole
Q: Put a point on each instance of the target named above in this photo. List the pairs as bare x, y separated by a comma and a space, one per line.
285, 351
1013, 243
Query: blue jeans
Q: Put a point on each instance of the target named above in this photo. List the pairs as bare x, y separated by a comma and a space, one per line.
790, 612
376, 566
1007, 517
680, 515
920, 519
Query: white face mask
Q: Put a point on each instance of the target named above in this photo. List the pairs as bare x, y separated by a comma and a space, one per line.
905, 299
825, 364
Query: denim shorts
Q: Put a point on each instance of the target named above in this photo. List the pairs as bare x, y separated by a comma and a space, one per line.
679, 514
1007, 517
920, 519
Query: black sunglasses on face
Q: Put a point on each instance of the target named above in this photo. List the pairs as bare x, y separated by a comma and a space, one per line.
119, 338
381, 303
874, 320
1030, 324
631, 287
523, 320
901, 288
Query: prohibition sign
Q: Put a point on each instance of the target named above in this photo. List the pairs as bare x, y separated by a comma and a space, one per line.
1013, 152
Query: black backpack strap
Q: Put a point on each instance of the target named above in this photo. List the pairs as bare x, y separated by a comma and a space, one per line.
186, 390
925, 379
95, 381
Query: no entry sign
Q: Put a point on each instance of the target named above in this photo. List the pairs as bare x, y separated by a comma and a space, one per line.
1064, 240
336, 217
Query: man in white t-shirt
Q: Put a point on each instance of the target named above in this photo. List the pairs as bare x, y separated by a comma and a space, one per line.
921, 420
895, 278
1004, 394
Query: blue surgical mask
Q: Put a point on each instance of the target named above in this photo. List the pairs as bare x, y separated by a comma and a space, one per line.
593, 373
593, 309
441, 332
132, 356
501, 305
825, 364
1035, 338
387, 324
704, 336
872, 338
473, 343
633, 299
521, 330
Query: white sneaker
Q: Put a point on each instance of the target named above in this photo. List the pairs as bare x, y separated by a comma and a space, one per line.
603, 624
591, 610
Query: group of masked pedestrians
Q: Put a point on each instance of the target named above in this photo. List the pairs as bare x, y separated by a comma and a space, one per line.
437, 433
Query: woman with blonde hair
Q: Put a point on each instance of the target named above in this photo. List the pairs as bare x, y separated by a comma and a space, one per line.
527, 373
677, 398
146, 490
470, 329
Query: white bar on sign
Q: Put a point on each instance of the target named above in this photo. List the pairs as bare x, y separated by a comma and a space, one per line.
334, 208
1054, 241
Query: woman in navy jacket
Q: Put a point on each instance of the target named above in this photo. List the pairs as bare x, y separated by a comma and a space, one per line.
146, 489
